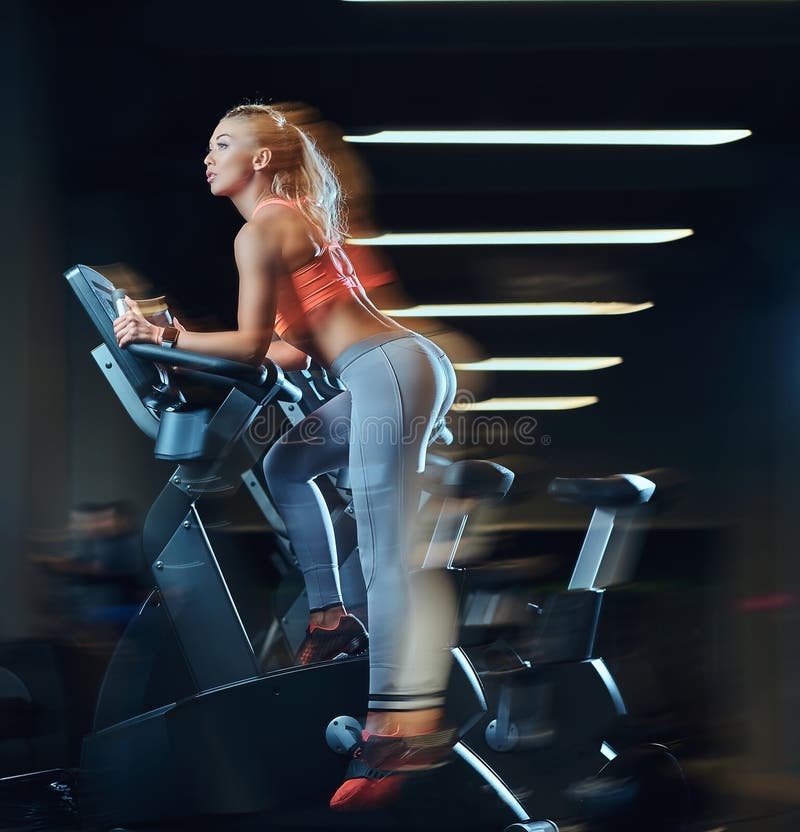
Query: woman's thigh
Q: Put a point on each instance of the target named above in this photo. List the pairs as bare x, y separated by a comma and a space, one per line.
396, 395
315, 445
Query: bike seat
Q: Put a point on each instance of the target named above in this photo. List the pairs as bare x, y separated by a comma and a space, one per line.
468, 479
607, 492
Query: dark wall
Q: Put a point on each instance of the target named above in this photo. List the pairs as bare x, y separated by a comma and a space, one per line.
34, 418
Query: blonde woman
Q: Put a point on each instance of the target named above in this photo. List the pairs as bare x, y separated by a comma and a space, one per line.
296, 282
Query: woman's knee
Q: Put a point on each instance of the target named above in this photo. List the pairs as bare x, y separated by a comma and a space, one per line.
277, 466
292, 460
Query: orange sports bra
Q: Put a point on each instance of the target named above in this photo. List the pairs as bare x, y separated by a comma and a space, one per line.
327, 276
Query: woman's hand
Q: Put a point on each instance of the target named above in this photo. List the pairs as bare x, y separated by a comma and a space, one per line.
133, 328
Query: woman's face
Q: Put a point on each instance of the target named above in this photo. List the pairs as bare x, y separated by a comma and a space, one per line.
232, 157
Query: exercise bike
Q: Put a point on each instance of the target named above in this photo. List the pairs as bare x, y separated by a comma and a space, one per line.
187, 721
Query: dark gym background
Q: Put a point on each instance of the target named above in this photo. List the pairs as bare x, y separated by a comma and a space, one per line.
108, 108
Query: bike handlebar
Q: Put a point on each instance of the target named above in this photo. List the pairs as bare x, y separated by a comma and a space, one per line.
265, 376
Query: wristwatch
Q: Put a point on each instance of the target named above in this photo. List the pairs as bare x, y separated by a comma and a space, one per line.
169, 337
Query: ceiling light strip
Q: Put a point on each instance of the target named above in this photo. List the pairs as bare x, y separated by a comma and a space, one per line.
607, 2
637, 236
687, 138
509, 310
528, 404
548, 364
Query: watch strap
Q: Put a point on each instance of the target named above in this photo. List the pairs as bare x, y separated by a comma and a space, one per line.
170, 336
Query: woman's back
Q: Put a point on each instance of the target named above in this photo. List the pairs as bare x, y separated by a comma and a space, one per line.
322, 308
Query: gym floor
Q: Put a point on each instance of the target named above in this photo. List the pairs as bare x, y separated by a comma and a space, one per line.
737, 803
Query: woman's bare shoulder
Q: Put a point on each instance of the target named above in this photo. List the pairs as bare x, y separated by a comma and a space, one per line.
285, 227
256, 238
277, 220
270, 220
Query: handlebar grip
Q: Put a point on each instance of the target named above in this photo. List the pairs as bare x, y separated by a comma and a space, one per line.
118, 299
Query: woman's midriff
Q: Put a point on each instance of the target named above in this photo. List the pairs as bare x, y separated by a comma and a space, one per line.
327, 331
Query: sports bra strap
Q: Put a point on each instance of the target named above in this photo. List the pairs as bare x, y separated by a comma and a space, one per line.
271, 200
325, 244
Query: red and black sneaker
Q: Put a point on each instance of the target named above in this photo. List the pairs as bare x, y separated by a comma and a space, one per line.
381, 764
348, 638
421, 752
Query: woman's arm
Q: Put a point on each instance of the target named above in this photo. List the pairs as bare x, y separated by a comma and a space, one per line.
260, 266
286, 356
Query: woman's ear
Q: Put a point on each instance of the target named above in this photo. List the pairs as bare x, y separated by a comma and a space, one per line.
262, 159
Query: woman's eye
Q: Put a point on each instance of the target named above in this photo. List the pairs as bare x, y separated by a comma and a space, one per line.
221, 145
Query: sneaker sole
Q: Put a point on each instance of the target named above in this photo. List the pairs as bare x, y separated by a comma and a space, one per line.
348, 655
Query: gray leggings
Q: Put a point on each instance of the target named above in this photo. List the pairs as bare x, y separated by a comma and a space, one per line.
398, 384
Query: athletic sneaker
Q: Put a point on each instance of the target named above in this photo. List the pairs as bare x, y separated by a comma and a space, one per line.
347, 638
381, 764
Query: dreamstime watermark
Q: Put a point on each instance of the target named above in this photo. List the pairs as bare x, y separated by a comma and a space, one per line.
469, 426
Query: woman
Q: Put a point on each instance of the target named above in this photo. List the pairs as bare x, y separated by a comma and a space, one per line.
296, 282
